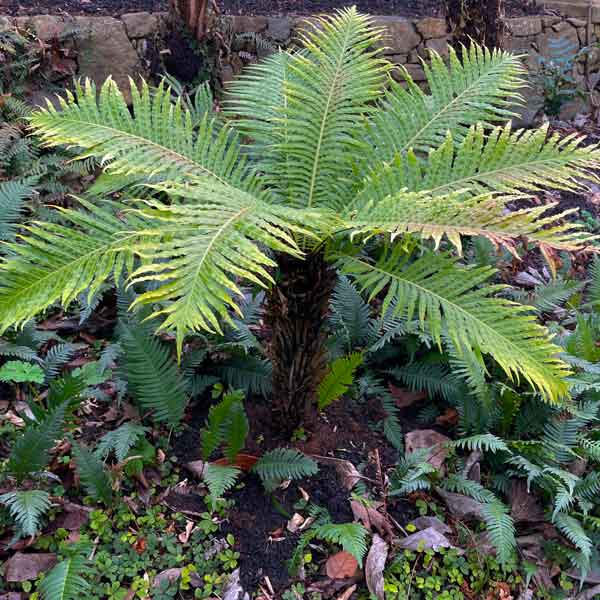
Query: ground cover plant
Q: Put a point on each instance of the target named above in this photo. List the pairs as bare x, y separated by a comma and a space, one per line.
272, 343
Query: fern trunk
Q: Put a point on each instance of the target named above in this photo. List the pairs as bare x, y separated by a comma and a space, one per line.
296, 311
481, 21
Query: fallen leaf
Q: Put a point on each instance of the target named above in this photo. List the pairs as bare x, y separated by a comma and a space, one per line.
371, 518
431, 522
245, 462
233, 590
12, 596
140, 545
428, 438
426, 539
346, 471
169, 575
448, 419
347, 593
184, 536
73, 517
295, 522
405, 398
375, 566
24, 567
196, 467
341, 565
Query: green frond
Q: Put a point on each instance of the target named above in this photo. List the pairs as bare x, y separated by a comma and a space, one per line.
65, 581
27, 508
593, 291
58, 262
315, 120
461, 214
485, 441
155, 138
501, 529
249, 373
198, 250
352, 537
284, 463
12, 196
448, 298
435, 379
339, 378
151, 371
573, 530
480, 87
92, 474
30, 453
219, 479
57, 357
120, 441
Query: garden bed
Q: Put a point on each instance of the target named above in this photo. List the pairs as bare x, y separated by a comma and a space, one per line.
407, 8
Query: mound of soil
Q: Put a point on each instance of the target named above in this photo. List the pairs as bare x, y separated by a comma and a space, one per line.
407, 8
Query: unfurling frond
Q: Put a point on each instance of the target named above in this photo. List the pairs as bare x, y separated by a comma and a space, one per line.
445, 296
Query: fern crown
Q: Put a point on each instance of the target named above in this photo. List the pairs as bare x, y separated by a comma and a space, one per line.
338, 152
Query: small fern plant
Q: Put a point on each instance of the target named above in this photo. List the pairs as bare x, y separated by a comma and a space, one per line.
340, 154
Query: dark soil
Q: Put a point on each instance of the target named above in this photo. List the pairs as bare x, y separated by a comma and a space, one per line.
407, 8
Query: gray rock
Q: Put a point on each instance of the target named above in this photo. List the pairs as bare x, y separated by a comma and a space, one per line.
461, 507
432, 28
400, 35
524, 26
140, 24
107, 51
248, 24
279, 28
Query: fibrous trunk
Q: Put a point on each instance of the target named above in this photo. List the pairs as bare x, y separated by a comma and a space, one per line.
296, 311
481, 21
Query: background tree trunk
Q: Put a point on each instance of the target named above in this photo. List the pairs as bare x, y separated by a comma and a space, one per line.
295, 313
478, 20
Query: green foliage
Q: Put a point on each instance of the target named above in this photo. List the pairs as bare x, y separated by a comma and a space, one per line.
483, 442
342, 152
284, 463
30, 453
501, 529
65, 581
411, 474
93, 474
120, 441
27, 507
227, 424
151, 372
352, 537
339, 378
12, 197
21, 372
219, 479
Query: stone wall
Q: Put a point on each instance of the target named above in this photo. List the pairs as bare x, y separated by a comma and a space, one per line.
121, 46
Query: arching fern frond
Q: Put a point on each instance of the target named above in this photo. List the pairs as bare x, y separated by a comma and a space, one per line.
65, 581
27, 508
447, 297
481, 86
12, 196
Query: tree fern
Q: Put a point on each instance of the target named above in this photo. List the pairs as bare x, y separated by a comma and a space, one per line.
151, 372
93, 474
65, 581
340, 377
284, 463
350, 536
27, 508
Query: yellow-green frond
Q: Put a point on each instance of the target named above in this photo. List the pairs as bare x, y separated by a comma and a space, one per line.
56, 262
482, 86
448, 299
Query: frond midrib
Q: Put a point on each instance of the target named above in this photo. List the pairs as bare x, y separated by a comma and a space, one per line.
147, 141
334, 85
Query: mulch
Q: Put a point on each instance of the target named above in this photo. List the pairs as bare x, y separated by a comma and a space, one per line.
407, 8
